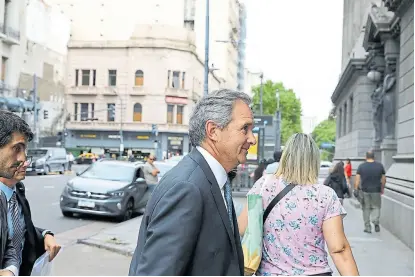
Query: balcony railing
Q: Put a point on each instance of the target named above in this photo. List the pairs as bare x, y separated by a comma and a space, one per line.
83, 90
126, 126
12, 36
177, 92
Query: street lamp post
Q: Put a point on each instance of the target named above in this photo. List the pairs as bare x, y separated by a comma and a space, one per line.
261, 92
278, 124
206, 83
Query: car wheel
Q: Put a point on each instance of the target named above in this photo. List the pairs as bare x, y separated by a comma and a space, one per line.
67, 214
62, 170
129, 210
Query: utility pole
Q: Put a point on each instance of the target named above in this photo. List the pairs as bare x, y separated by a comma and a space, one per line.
121, 132
261, 92
278, 124
206, 82
35, 116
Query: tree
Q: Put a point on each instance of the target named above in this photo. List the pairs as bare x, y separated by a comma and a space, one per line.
325, 131
290, 107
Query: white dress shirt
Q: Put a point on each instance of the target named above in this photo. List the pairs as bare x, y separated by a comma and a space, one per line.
217, 169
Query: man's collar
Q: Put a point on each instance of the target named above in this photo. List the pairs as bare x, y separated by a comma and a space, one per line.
7, 191
215, 166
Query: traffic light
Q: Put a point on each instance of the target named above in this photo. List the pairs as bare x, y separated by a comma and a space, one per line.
45, 114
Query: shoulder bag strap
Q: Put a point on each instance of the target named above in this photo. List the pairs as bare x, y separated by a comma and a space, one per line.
276, 200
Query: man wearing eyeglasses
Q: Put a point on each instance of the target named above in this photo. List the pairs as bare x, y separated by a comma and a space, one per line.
14, 136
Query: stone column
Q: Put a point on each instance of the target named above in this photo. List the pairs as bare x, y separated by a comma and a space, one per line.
338, 123
389, 145
344, 125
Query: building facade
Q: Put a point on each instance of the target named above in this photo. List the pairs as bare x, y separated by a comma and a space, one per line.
242, 47
33, 47
145, 86
374, 102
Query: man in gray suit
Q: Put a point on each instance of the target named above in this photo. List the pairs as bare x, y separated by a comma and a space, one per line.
189, 226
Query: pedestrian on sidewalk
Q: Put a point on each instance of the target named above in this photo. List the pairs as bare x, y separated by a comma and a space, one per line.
308, 216
371, 180
189, 226
348, 174
272, 168
151, 173
14, 136
337, 181
30, 242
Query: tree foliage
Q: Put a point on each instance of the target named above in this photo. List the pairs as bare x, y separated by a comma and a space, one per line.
325, 131
290, 107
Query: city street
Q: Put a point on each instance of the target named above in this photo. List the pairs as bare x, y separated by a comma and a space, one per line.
43, 193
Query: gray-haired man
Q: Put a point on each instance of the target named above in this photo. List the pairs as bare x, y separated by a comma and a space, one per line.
189, 226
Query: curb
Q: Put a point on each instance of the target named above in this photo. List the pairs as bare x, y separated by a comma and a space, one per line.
106, 247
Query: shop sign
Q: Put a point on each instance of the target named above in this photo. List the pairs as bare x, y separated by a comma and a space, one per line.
142, 137
87, 135
114, 136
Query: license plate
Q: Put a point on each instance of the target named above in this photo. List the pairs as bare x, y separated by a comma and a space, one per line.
86, 204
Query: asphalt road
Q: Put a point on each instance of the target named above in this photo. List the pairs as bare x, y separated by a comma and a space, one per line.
43, 193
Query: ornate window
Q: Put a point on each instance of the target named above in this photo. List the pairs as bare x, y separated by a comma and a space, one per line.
137, 113
139, 78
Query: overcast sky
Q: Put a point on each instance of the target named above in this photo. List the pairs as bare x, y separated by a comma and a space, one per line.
300, 47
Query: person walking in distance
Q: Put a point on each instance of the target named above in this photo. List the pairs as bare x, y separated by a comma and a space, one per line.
348, 175
189, 226
371, 179
30, 242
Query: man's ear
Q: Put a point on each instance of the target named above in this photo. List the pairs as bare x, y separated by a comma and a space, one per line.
211, 130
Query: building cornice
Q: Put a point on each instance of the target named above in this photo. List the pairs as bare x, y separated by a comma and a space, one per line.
147, 43
380, 21
398, 6
354, 65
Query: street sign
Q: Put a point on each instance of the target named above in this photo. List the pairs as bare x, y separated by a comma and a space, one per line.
121, 147
326, 145
263, 120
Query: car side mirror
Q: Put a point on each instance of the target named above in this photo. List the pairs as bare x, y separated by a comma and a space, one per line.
140, 180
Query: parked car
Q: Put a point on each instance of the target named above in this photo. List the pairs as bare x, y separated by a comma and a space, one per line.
163, 167
107, 188
46, 160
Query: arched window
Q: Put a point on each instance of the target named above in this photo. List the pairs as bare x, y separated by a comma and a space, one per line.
138, 110
139, 78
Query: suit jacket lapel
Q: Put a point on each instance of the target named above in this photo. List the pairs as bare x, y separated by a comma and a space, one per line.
217, 195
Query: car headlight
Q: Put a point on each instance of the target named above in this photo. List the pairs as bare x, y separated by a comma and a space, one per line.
117, 193
69, 187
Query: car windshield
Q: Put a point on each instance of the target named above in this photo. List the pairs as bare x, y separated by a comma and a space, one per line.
109, 171
37, 152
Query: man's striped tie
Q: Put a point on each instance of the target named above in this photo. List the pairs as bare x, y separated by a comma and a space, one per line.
18, 232
228, 197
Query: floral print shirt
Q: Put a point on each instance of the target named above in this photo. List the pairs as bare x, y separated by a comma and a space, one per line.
293, 242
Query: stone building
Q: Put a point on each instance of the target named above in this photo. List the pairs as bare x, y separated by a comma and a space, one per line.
33, 38
150, 81
374, 101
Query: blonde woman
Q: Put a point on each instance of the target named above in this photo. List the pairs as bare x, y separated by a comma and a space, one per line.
308, 217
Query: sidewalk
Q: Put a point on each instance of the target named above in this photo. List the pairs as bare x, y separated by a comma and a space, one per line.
376, 254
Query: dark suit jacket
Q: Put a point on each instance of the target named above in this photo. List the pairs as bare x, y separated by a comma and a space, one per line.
8, 253
34, 241
185, 229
